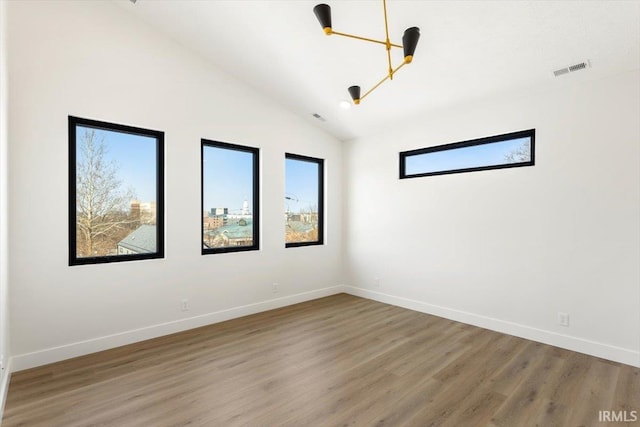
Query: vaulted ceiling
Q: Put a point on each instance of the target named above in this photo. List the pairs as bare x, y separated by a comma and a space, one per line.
468, 50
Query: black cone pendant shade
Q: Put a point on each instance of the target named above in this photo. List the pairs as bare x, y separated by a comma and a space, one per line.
323, 13
354, 91
409, 42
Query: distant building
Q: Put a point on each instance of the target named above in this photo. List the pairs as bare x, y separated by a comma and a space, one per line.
140, 241
135, 209
218, 211
245, 213
308, 218
148, 212
297, 231
220, 217
144, 212
213, 222
300, 227
217, 217
237, 234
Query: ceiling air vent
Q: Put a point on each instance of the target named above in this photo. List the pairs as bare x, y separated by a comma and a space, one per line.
577, 67
319, 117
560, 72
572, 68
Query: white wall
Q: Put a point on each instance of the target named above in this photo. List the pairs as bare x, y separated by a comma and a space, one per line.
91, 59
505, 249
4, 242
509, 249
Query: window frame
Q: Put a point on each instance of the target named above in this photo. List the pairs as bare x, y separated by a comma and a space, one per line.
73, 123
255, 196
320, 163
530, 133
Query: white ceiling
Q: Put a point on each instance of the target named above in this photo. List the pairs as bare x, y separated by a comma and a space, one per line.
468, 50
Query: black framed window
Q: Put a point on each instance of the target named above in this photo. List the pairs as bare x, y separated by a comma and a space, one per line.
230, 197
304, 200
495, 152
116, 192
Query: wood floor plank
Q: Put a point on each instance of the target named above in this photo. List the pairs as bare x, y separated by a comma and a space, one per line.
477, 410
627, 394
426, 348
335, 361
597, 393
548, 413
522, 403
462, 379
397, 412
515, 370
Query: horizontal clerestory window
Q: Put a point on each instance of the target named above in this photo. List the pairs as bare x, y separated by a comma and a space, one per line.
495, 152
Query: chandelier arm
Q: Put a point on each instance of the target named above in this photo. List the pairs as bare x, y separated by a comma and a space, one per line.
364, 39
388, 44
383, 80
386, 24
398, 67
375, 87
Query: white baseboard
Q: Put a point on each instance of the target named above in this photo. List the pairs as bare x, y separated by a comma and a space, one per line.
56, 354
592, 348
81, 348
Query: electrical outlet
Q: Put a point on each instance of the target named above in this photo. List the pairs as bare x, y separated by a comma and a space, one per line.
563, 319
184, 306
376, 282
274, 288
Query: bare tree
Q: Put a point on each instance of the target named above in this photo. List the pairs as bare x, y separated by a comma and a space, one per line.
520, 154
102, 217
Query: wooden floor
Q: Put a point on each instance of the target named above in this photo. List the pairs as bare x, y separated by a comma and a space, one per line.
335, 361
